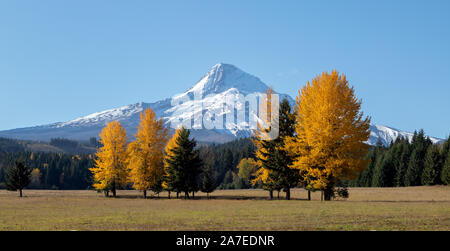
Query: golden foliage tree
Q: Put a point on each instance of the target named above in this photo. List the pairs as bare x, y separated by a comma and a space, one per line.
110, 169
247, 171
146, 153
330, 133
36, 177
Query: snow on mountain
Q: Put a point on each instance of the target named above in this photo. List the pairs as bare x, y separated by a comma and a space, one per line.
388, 135
223, 82
100, 117
223, 77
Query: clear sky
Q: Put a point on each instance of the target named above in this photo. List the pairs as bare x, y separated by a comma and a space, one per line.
60, 60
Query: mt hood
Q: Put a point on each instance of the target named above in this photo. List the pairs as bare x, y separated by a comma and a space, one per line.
219, 84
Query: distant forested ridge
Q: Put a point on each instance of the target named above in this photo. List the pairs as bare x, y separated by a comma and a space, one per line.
224, 159
56, 145
51, 170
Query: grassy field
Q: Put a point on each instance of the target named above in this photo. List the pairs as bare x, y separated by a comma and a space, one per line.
413, 208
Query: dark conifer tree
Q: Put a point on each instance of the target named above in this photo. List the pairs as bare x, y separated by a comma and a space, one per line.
402, 161
186, 164
365, 179
278, 160
415, 166
375, 163
432, 167
445, 173
384, 172
18, 177
445, 149
420, 146
208, 181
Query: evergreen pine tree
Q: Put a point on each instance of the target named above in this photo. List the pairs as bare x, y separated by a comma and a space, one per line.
384, 171
208, 181
402, 162
18, 177
271, 156
365, 179
445, 174
185, 163
414, 171
445, 149
412, 175
278, 159
432, 165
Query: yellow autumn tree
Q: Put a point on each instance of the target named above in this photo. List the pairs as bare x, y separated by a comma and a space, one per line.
146, 154
110, 170
168, 173
261, 140
247, 169
35, 177
330, 133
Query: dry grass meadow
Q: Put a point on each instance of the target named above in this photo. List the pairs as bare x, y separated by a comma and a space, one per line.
412, 208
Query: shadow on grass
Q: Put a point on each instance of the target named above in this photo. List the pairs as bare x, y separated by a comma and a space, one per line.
211, 197
258, 198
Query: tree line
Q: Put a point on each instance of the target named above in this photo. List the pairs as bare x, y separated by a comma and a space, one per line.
50, 170
318, 145
418, 162
154, 161
232, 166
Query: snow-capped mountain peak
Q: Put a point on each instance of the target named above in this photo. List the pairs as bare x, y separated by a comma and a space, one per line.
222, 77
222, 82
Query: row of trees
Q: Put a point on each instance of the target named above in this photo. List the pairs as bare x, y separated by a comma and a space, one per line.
405, 163
232, 166
319, 144
152, 162
50, 170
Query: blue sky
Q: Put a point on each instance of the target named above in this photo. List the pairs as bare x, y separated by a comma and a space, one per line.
63, 59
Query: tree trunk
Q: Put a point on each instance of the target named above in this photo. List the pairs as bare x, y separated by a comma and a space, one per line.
288, 194
20, 193
327, 194
114, 188
278, 195
145, 194
271, 194
193, 195
309, 194
178, 195
169, 194
321, 195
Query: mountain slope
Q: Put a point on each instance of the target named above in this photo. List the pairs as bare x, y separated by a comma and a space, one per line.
388, 135
222, 82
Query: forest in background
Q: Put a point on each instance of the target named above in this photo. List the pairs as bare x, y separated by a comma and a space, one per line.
403, 163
